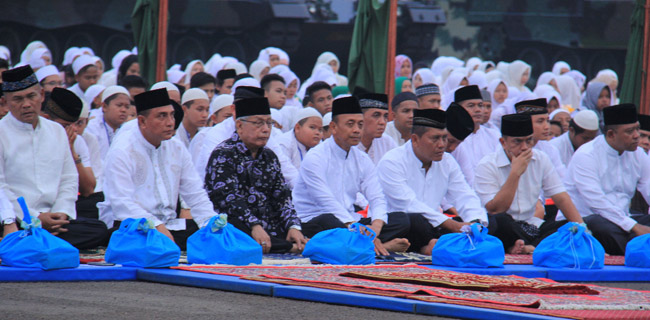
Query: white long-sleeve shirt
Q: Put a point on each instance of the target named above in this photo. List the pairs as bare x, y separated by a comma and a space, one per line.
540, 176
600, 181
37, 164
392, 132
104, 134
329, 181
95, 159
564, 148
474, 148
410, 188
292, 148
142, 181
378, 148
215, 135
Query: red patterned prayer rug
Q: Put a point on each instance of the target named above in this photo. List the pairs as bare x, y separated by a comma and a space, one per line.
528, 259
467, 281
328, 276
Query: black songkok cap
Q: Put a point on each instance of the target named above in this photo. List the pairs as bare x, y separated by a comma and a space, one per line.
252, 107
64, 104
359, 91
620, 114
432, 118
246, 92
644, 121
151, 99
178, 114
346, 105
427, 89
17, 79
403, 96
516, 125
467, 93
459, 122
226, 74
532, 107
373, 100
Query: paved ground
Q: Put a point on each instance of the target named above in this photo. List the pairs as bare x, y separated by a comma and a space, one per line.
143, 300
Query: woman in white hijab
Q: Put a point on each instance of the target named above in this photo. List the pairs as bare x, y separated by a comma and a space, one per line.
440, 63
493, 75
322, 72
486, 66
546, 78
498, 90
215, 57
237, 66
423, 76
478, 78
31, 47
569, 92
192, 68
175, 75
561, 67
519, 74
220, 64
293, 83
455, 80
333, 61
503, 67
579, 78
259, 68
472, 64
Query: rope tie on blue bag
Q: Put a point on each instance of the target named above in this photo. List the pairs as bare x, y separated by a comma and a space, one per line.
28, 222
219, 223
467, 230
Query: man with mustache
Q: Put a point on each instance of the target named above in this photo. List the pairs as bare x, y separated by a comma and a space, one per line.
334, 172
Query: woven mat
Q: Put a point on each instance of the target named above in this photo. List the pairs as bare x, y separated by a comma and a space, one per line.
330, 277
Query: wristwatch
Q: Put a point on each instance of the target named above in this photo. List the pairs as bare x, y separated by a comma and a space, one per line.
8, 221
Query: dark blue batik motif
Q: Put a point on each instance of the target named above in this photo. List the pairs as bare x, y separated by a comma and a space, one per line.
250, 189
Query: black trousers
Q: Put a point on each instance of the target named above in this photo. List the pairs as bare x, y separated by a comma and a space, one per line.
509, 231
87, 206
83, 233
397, 227
180, 236
279, 243
612, 237
422, 231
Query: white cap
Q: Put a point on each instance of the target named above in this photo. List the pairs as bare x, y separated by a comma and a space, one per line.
304, 113
221, 101
165, 84
586, 119
81, 62
194, 94
327, 118
118, 57
108, 92
559, 110
45, 72
93, 91
85, 110
246, 82
70, 54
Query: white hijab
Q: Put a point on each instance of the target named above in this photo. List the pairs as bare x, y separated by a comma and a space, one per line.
257, 67
569, 91
516, 69
188, 70
558, 66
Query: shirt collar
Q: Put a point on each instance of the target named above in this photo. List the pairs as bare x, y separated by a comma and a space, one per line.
146, 144
337, 151
22, 125
608, 149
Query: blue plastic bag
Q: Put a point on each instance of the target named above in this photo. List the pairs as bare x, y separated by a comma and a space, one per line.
35, 247
342, 246
138, 244
221, 242
637, 252
469, 249
570, 247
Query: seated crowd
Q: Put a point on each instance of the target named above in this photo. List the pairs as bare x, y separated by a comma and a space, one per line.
469, 143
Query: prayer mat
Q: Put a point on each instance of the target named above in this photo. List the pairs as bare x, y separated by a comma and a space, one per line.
528, 259
97, 255
468, 281
329, 277
404, 258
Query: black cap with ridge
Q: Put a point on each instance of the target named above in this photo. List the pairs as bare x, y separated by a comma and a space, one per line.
346, 105
516, 125
620, 114
252, 107
152, 99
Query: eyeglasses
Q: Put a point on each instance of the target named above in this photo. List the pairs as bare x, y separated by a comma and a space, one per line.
259, 124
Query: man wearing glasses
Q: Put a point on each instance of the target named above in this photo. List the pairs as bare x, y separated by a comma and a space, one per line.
244, 180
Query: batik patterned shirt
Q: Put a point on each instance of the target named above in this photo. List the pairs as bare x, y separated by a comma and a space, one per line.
251, 189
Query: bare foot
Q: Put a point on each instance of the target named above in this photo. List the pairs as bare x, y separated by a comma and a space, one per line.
294, 249
518, 248
429, 247
528, 249
397, 245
